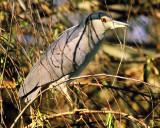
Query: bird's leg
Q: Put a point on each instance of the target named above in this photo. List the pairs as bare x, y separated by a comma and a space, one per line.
63, 89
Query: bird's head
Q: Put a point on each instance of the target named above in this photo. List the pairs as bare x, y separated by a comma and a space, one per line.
101, 22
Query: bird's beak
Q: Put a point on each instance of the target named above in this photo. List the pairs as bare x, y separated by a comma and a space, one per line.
117, 24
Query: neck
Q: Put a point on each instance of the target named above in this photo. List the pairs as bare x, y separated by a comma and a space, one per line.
96, 35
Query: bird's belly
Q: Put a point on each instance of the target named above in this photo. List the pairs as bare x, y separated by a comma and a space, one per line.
86, 59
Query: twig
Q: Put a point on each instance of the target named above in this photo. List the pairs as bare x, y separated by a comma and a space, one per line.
29, 103
112, 87
115, 76
84, 112
96, 75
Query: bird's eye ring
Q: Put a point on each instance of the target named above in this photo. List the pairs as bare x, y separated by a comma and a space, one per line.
103, 19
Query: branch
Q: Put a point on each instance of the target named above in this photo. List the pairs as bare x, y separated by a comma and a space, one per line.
84, 112
86, 76
29, 103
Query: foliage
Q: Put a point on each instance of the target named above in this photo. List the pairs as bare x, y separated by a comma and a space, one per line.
126, 96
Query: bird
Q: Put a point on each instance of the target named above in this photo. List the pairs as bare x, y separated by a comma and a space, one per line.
68, 55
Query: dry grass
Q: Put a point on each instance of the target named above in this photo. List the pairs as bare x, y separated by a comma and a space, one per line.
117, 97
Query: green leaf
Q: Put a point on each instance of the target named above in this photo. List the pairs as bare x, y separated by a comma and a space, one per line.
146, 70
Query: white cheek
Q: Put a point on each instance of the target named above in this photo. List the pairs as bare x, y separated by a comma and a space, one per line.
99, 25
107, 25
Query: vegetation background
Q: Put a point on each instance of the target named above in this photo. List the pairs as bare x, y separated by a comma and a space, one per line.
123, 93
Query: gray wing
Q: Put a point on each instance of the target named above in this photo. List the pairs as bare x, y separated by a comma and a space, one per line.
57, 62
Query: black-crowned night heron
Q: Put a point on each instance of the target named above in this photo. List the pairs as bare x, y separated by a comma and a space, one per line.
68, 55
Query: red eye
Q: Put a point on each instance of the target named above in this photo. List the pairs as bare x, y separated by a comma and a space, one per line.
103, 19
